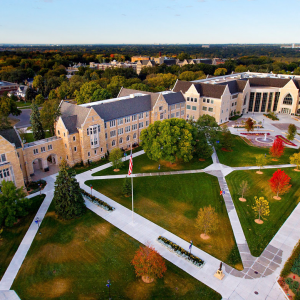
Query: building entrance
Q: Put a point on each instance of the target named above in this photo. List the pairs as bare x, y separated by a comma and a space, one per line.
285, 110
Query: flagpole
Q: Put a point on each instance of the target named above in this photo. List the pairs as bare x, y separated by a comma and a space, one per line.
132, 187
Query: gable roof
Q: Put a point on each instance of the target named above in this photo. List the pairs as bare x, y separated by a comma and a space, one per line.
170, 62
274, 82
173, 98
70, 123
235, 86
12, 136
210, 90
122, 108
181, 85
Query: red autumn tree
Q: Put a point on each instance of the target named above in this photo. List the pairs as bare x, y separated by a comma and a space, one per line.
148, 264
280, 183
277, 148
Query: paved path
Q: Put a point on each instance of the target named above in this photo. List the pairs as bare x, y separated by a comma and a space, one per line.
256, 281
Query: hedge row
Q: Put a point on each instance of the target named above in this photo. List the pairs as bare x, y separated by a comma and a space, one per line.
97, 201
287, 269
182, 252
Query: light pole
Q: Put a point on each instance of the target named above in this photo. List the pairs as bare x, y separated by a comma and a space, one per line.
40, 188
190, 247
159, 169
108, 285
91, 190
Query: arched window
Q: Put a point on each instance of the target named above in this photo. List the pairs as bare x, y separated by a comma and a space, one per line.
113, 143
288, 99
121, 140
134, 136
128, 138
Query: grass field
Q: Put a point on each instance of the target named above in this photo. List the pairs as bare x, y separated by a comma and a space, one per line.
13, 236
259, 236
142, 164
74, 259
245, 155
172, 202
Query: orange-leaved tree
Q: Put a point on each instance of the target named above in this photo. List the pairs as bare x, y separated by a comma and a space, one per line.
148, 264
277, 148
280, 183
249, 125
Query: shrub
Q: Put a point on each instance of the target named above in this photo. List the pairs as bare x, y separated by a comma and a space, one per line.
288, 281
295, 285
97, 200
289, 264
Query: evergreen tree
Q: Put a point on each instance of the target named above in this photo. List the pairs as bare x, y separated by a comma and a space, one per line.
202, 148
68, 199
37, 128
126, 187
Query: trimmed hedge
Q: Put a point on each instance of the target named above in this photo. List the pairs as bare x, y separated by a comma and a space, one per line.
287, 269
97, 201
182, 252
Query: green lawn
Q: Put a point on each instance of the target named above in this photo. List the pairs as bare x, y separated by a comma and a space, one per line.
142, 164
74, 259
172, 202
245, 155
259, 236
12, 237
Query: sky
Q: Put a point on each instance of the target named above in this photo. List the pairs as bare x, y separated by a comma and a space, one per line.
149, 22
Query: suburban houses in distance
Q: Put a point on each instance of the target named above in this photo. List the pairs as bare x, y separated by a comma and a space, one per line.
86, 132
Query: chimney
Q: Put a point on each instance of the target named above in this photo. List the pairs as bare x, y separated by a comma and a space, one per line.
159, 53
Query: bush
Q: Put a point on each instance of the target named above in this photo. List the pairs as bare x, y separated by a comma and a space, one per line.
295, 285
290, 262
97, 200
289, 281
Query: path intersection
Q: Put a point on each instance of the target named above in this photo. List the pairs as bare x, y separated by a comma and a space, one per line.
258, 280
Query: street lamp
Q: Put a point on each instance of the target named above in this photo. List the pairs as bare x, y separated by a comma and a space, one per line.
108, 285
40, 188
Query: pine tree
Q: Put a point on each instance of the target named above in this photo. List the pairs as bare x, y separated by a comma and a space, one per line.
68, 199
35, 120
126, 187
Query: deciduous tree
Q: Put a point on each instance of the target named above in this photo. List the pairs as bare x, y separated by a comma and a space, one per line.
249, 125
261, 161
292, 130
226, 138
220, 72
68, 200
295, 159
39, 99
168, 140
115, 157
148, 264
261, 208
49, 113
277, 148
13, 203
90, 91
7, 107
207, 220
280, 183
36, 124
244, 188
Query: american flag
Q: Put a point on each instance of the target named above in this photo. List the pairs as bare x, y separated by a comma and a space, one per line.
130, 164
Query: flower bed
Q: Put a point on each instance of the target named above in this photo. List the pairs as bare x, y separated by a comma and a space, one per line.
36, 186
272, 117
286, 141
181, 252
97, 201
243, 126
252, 133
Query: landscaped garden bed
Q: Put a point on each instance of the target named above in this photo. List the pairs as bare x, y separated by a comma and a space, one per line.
97, 201
36, 186
195, 260
259, 236
272, 117
74, 259
253, 134
173, 202
290, 275
285, 140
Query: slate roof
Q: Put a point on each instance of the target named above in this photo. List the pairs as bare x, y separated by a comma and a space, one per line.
173, 98
235, 86
273, 82
12, 136
210, 90
122, 108
181, 85
69, 110
170, 62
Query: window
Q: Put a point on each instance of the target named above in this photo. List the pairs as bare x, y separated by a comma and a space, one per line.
147, 123
160, 108
134, 127
232, 104
208, 100
120, 131
147, 114
74, 138
192, 100
141, 116
141, 125
127, 129
58, 132
98, 128
101, 149
43, 149
112, 133
235, 103
177, 114
92, 118
264, 102
120, 121
182, 112
64, 134
134, 136
113, 143
95, 151
172, 107
257, 102
187, 116
65, 145
89, 154
194, 108
161, 116
177, 105
188, 99
127, 119
87, 131
35, 151
172, 115
134, 117
112, 123
288, 100
94, 129
4, 173
121, 140
250, 107
204, 108
188, 107
91, 130
105, 135
270, 101
212, 101
75, 149
210, 109
127, 138
2, 158
222, 112
277, 94
95, 141
204, 100
195, 99
105, 125
245, 100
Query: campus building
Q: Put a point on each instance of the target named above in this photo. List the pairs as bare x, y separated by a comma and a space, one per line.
84, 133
